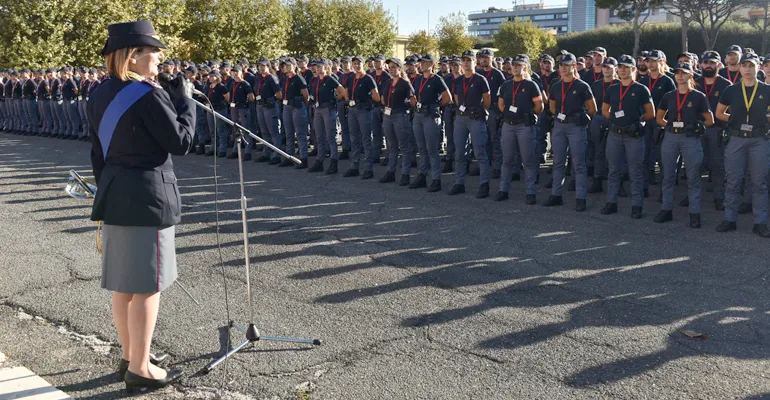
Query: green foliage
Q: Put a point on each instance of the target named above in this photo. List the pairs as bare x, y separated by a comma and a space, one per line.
522, 37
422, 43
619, 39
366, 29
452, 34
313, 28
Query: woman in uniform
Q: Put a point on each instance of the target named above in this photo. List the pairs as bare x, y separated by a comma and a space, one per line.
395, 122
683, 113
326, 92
432, 94
625, 106
599, 123
295, 97
219, 97
138, 200
362, 92
519, 102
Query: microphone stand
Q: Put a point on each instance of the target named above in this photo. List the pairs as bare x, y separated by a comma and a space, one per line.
251, 332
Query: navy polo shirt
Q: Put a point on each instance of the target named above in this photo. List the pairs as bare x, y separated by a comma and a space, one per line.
30, 89
382, 80
429, 90
634, 100
17, 89
548, 80
397, 96
8, 88
360, 89
198, 85
250, 78
216, 96
494, 78
469, 91
307, 75
292, 87
599, 89
43, 91
733, 98
693, 107
56, 92
577, 92
239, 93
325, 90
449, 80
732, 77
713, 91
266, 87
525, 90
590, 77
345, 77
68, 89
658, 87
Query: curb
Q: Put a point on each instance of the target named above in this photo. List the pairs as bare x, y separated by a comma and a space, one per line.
18, 382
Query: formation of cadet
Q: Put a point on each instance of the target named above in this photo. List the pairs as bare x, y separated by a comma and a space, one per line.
615, 119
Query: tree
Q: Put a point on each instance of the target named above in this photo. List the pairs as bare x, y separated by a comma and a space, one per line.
452, 34
710, 15
764, 24
522, 37
632, 11
422, 43
313, 28
367, 28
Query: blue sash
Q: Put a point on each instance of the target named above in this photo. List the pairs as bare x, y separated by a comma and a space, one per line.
119, 105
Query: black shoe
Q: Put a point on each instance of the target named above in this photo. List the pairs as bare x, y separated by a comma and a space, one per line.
571, 186
210, 153
636, 212
262, 158
435, 186
419, 182
201, 150
685, 202
515, 177
646, 193
367, 175
448, 167
719, 204
302, 165
609, 208
531, 200
389, 177
622, 192
404, 180
318, 166
157, 359
745, 208
233, 155
596, 186
727, 226
344, 155
247, 157
274, 161
384, 162
313, 153
350, 173
496, 174
695, 221
134, 381
457, 189
553, 201
286, 163
580, 205
483, 192
332, 167
549, 185
500, 196
664, 216
761, 230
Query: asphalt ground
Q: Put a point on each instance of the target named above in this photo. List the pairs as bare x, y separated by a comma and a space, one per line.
415, 295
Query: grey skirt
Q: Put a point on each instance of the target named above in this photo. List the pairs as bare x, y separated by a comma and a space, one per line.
138, 259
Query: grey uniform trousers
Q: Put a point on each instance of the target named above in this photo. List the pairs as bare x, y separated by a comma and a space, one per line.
740, 153
692, 152
519, 139
622, 148
395, 127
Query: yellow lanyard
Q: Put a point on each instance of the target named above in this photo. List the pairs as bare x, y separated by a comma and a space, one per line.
746, 101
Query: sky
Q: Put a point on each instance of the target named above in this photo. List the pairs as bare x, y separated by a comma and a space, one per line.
412, 18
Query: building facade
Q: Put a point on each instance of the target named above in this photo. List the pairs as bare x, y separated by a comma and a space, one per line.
486, 23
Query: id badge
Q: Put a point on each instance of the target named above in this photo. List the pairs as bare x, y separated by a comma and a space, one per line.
259, 97
72, 101
747, 127
678, 124
232, 105
286, 102
620, 114
513, 109
387, 111
60, 102
316, 104
419, 106
462, 108
311, 98
352, 103
561, 117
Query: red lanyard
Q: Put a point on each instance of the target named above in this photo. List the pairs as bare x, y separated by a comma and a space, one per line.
680, 105
465, 87
318, 86
515, 89
733, 80
392, 88
623, 94
210, 89
355, 83
413, 80
604, 88
259, 87
235, 88
286, 86
422, 84
488, 74
377, 78
564, 93
597, 76
653, 83
706, 88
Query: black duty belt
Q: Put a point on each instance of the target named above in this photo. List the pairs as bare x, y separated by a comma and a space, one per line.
744, 134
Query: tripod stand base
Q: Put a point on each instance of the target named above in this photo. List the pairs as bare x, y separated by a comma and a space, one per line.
253, 336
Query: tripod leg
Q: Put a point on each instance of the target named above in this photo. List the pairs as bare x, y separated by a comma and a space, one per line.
213, 365
316, 342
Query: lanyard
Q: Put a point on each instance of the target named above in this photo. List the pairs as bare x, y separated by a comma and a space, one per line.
488, 74
390, 92
706, 88
733, 80
422, 85
653, 83
318, 86
210, 89
235, 88
515, 89
604, 88
597, 76
746, 101
355, 83
679, 104
623, 94
466, 86
259, 87
413, 80
564, 93
378, 78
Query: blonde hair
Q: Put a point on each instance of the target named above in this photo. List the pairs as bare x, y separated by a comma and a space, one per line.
117, 64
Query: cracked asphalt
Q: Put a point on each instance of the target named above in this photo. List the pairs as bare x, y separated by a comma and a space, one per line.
415, 295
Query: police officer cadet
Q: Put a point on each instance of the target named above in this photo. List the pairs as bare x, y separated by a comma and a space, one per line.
29, 94
658, 84
684, 113
342, 107
219, 97
19, 103
201, 129
432, 95
70, 93
326, 91
641, 65
626, 105
57, 109
4, 101
295, 97
267, 95
382, 79
494, 78
568, 98
599, 124
547, 76
241, 95
747, 130
396, 99
732, 72
450, 111
443, 67
471, 94
44, 109
362, 92
519, 102
82, 89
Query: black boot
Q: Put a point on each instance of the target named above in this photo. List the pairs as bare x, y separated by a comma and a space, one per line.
727, 226
531, 200
233, 155
389, 177
719, 204
457, 189
500, 196
609, 208
285, 163
367, 175
302, 165
247, 157
695, 220
636, 212
745, 208
664, 216
483, 192
448, 167
761, 230
553, 201
404, 180
201, 150
273, 161
596, 186
313, 153
435, 186
580, 205
350, 173
685, 202
419, 182
262, 159
318, 166
332, 167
